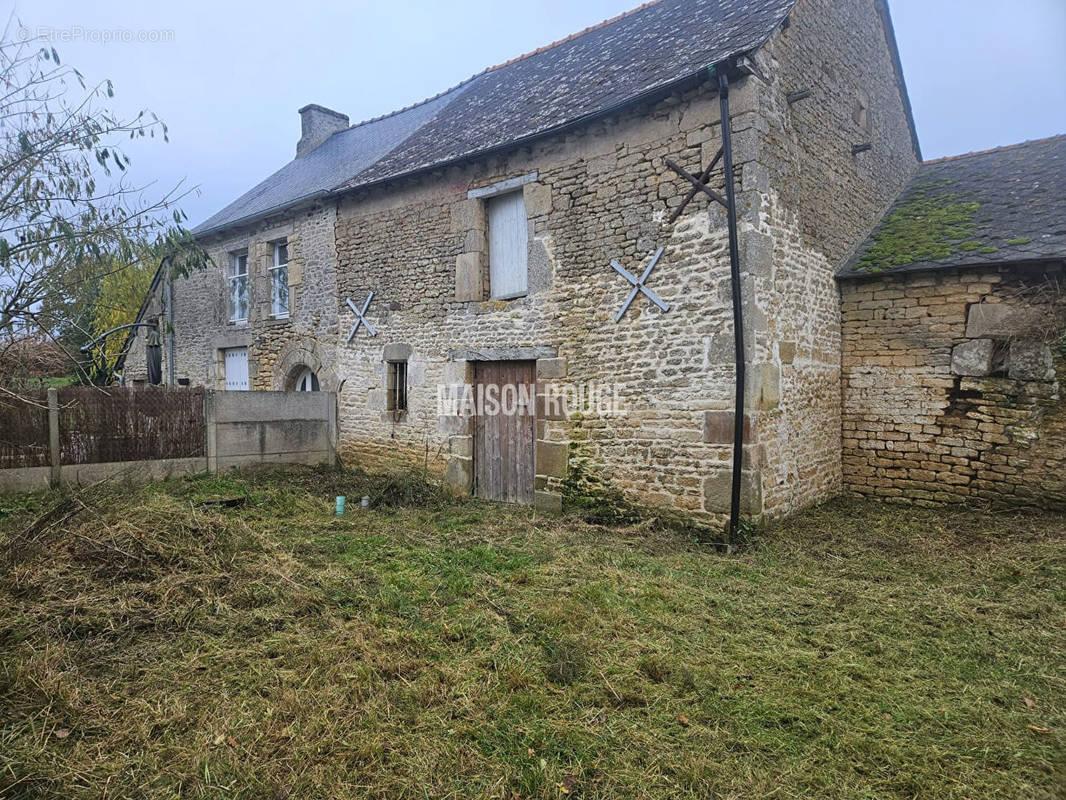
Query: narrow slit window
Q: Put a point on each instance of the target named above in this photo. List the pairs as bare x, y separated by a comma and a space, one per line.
397, 388
238, 287
279, 282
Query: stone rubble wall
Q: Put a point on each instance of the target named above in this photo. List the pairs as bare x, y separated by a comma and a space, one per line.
952, 388
808, 203
600, 194
804, 200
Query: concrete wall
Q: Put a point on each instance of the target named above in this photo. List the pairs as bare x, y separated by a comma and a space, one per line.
30, 479
270, 427
952, 387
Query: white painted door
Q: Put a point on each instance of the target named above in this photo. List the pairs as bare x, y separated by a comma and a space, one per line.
236, 369
508, 243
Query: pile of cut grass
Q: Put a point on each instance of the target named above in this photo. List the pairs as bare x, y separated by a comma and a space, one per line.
228, 636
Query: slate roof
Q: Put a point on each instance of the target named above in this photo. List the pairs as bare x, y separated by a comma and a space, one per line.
997, 206
345, 153
590, 73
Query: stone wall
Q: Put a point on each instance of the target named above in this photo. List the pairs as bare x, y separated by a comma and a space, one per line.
277, 348
808, 203
605, 193
601, 194
952, 387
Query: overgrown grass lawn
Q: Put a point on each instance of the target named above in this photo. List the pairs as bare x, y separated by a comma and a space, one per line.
230, 637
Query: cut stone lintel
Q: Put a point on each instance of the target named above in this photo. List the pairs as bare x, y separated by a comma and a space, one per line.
504, 354
501, 187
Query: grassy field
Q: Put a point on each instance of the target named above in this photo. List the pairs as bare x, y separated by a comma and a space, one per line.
229, 637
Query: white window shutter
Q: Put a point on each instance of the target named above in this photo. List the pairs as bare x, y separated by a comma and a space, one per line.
508, 241
237, 369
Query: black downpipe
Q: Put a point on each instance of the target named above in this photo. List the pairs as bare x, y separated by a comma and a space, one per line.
738, 311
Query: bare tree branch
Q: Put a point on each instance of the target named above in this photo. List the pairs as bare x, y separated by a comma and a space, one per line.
69, 215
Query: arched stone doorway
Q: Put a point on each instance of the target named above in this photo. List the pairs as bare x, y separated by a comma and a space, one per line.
303, 367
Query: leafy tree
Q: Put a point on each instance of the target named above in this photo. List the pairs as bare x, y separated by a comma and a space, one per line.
71, 220
120, 293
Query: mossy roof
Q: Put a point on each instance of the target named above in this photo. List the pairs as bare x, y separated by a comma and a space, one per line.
998, 206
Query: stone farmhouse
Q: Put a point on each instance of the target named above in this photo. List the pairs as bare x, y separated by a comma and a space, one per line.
468, 241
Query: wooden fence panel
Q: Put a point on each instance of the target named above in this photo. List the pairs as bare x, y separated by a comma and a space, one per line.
24, 430
100, 425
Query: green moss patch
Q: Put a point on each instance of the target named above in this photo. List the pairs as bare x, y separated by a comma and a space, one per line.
932, 224
926, 227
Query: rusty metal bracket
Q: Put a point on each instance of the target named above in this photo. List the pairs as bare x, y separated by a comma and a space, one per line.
699, 184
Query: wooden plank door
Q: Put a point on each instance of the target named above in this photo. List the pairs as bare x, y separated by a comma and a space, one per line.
504, 437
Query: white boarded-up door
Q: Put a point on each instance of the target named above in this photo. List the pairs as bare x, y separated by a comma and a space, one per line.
508, 243
236, 369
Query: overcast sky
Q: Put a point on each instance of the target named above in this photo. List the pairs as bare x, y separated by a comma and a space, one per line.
228, 77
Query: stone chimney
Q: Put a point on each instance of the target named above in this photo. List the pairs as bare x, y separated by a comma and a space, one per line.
318, 123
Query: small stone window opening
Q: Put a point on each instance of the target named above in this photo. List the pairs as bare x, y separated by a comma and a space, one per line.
396, 401
279, 282
860, 112
508, 237
238, 287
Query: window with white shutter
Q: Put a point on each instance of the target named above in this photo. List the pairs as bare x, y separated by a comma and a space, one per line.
508, 243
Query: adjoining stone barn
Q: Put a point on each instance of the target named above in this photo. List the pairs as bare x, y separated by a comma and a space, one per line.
497, 234
954, 335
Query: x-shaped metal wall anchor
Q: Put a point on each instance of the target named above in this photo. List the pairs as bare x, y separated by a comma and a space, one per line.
699, 184
360, 317
638, 285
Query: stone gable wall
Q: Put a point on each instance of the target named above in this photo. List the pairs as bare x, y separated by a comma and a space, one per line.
809, 202
952, 388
